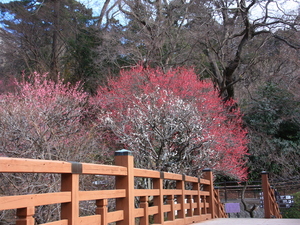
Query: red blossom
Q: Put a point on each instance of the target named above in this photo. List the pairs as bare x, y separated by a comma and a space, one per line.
174, 122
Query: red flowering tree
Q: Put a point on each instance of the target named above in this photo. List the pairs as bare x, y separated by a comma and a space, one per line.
173, 122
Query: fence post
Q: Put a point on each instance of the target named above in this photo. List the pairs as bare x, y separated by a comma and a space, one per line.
180, 185
25, 216
124, 158
208, 175
159, 200
70, 183
196, 186
102, 210
170, 201
145, 205
265, 187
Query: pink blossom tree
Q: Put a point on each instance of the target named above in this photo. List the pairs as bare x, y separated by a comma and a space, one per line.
173, 122
43, 119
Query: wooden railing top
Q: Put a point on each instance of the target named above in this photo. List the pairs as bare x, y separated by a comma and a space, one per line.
21, 165
16, 165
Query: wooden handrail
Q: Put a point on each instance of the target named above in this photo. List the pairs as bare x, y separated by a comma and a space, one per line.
168, 206
271, 207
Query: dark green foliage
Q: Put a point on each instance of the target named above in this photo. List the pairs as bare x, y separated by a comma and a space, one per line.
51, 36
79, 62
274, 127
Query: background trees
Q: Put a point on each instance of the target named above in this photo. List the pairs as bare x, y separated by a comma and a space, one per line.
222, 38
226, 40
274, 127
48, 36
240, 27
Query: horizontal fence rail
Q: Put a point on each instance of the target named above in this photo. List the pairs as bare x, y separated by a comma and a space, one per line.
189, 200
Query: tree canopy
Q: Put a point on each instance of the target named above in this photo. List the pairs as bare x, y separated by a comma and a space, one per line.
173, 122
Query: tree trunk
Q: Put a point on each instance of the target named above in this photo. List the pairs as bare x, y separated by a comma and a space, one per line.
254, 207
54, 67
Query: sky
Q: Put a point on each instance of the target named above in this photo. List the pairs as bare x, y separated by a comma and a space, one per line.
289, 5
94, 4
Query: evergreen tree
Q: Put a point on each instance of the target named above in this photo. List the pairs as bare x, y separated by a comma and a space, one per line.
49, 36
273, 118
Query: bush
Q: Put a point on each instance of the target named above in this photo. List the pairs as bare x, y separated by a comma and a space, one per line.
294, 211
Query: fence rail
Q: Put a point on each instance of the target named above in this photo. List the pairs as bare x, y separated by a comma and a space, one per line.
181, 205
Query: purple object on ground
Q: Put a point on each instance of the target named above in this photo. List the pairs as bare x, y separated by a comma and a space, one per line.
232, 207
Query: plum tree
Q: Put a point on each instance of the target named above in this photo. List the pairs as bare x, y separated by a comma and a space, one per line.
173, 122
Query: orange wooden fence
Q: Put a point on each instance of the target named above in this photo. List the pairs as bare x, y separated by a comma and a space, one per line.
169, 206
271, 207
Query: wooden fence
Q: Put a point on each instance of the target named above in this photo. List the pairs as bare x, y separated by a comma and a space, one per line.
178, 206
270, 204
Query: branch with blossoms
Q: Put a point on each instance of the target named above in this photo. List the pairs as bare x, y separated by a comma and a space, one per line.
173, 122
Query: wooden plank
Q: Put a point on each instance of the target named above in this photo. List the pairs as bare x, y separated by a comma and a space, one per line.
177, 206
102, 194
88, 220
139, 212
146, 192
194, 205
193, 219
205, 181
191, 179
172, 176
153, 210
115, 216
187, 206
206, 217
59, 222
16, 165
171, 192
204, 193
191, 192
197, 218
88, 168
175, 222
146, 173
22, 201
166, 208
